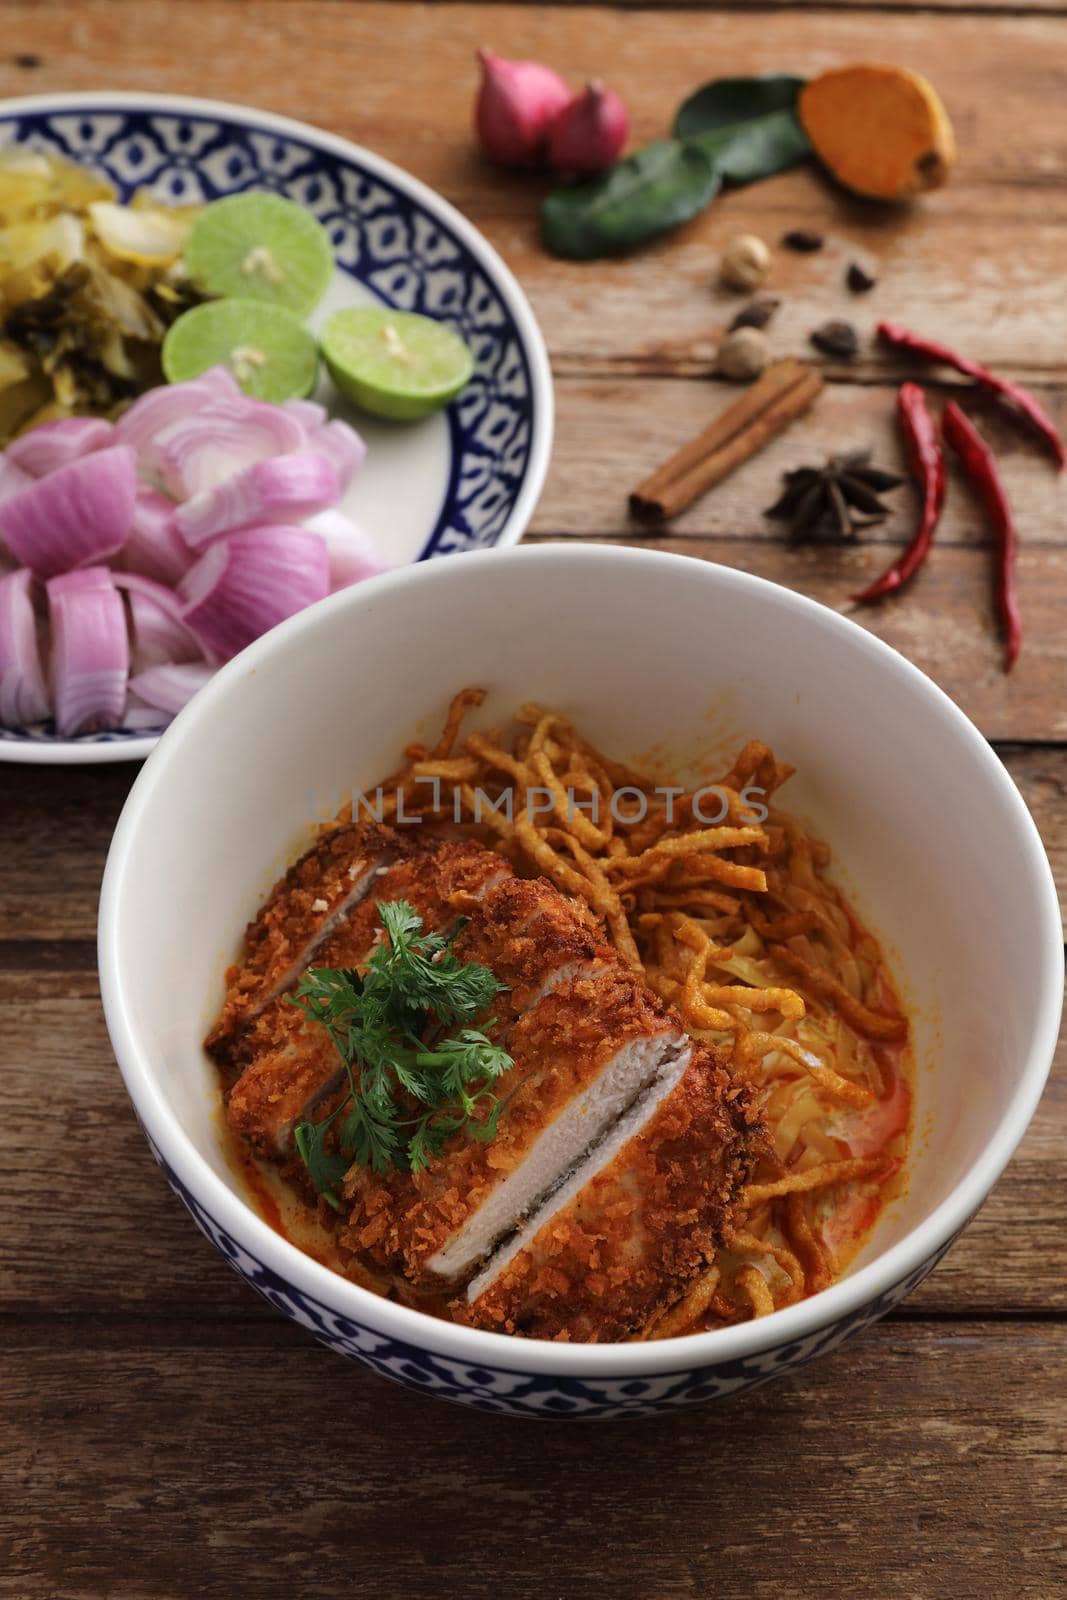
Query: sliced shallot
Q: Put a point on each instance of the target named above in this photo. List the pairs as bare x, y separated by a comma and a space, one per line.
53, 444
23, 693
342, 447
157, 633
246, 583
90, 651
12, 478
186, 529
207, 447
170, 685
155, 547
141, 718
281, 490
169, 403
81, 512
307, 412
353, 554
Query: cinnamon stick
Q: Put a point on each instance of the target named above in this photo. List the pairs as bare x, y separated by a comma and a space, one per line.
783, 393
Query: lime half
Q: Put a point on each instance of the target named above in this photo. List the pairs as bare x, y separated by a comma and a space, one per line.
268, 350
260, 247
393, 363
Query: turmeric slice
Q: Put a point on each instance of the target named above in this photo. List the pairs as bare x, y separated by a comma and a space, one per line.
881, 131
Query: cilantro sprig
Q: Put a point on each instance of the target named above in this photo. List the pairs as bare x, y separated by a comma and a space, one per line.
412, 1080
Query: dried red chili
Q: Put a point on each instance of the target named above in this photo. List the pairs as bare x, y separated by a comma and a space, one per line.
980, 465
902, 339
928, 465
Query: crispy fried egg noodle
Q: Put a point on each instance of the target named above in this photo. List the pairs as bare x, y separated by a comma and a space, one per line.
738, 927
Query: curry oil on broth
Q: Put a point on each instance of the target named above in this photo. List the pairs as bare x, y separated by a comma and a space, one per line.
311, 1229
674, 758
852, 1230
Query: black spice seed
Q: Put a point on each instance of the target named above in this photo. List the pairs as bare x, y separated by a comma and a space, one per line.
757, 313
858, 279
836, 339
806, 240
26, 60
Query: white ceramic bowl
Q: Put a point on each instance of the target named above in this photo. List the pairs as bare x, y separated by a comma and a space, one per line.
935, 845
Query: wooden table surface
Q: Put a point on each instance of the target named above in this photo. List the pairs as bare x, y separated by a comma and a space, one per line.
163, 1433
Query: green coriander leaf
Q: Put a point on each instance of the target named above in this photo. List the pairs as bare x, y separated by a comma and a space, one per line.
325, 1167
414, 989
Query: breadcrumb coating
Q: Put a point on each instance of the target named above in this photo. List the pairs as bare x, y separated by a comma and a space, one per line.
526, 931
629, 1244
284, 934
560, 1047
637, 1234
286, 1061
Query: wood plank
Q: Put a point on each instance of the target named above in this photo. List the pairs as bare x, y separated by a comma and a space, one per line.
166, 1450
56, 823
980, 262
1025, 8
1042, 782
118, 1242
945, 269
654, 62
611, 432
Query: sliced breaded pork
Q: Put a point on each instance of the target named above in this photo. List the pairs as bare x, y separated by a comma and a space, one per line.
618, 1140
533, 938
623, 1235
288, 1062
583, 1053
314, 897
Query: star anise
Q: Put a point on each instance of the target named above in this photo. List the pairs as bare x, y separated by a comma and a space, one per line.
832, 502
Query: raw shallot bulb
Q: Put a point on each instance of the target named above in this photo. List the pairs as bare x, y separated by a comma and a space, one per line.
517, 104
590, 133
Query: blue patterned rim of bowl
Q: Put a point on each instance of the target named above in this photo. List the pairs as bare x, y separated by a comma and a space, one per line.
389, 232
548, 1396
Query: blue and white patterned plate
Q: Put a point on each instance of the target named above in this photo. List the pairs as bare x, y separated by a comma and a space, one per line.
464, 480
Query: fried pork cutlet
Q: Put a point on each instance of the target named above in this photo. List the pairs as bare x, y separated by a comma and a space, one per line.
582, 1052
288, 1063
533, 938
624, 1235
317, 893
619, 1142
